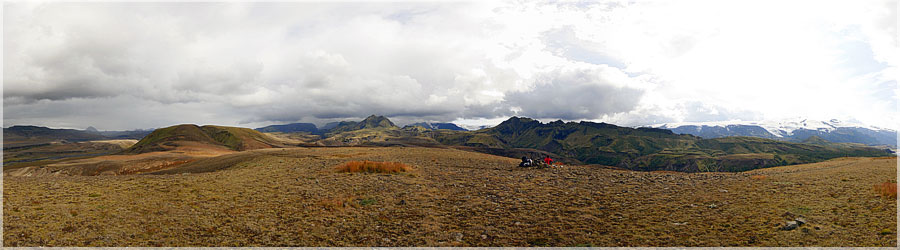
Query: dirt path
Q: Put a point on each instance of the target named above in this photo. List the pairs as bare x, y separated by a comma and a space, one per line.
293, 197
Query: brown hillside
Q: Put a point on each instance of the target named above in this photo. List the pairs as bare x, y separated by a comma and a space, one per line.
233, 138
297, 197
165, 148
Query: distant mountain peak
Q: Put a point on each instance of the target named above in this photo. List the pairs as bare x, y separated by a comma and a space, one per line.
794, 129
439, 125
91, 129
514, 124
374, 121
779, 128
290, 128
519, 119
474, 127
371, 122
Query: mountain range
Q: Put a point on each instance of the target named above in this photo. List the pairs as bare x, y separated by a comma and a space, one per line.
650, 148
796, 130
16, 136
343, 126
438, 125
645, 149
290, 128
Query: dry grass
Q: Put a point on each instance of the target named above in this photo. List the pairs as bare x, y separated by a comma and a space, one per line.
125, 143
373, 167
295, 197
758, 177
334, 203
887, 189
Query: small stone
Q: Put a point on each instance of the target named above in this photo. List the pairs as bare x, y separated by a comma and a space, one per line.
723, 190
712, 206
483, 237
457, 237
800, 220
790, 225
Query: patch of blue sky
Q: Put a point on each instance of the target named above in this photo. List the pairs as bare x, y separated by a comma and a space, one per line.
856, 56
563, 43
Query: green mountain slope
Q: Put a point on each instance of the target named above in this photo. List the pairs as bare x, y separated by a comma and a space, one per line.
648, 148
645, 149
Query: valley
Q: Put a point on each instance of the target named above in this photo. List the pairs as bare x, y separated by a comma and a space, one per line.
643, 149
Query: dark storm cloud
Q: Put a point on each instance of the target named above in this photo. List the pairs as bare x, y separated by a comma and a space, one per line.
573, 94
252, 64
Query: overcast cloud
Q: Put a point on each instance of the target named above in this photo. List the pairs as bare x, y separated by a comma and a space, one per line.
121, 66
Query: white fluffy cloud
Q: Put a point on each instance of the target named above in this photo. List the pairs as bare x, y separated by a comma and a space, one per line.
250, 64
756, 59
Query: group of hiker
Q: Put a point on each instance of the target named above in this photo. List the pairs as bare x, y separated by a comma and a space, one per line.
528, 162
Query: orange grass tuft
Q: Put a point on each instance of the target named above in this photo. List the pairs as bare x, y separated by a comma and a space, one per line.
887, 189
331, 203
758, 177
373, 167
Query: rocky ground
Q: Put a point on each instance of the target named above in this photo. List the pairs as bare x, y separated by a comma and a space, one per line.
294, 197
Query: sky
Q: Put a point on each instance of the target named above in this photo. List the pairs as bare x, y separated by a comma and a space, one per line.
133, 65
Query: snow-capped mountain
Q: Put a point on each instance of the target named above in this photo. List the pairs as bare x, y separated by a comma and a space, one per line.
438, 125
787, 128
474, 127
791, 130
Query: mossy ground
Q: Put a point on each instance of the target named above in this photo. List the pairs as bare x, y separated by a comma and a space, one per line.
295, 197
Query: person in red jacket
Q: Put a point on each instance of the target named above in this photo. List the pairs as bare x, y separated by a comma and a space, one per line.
547, 160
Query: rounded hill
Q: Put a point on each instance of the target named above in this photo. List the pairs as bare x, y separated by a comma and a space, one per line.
233, 138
